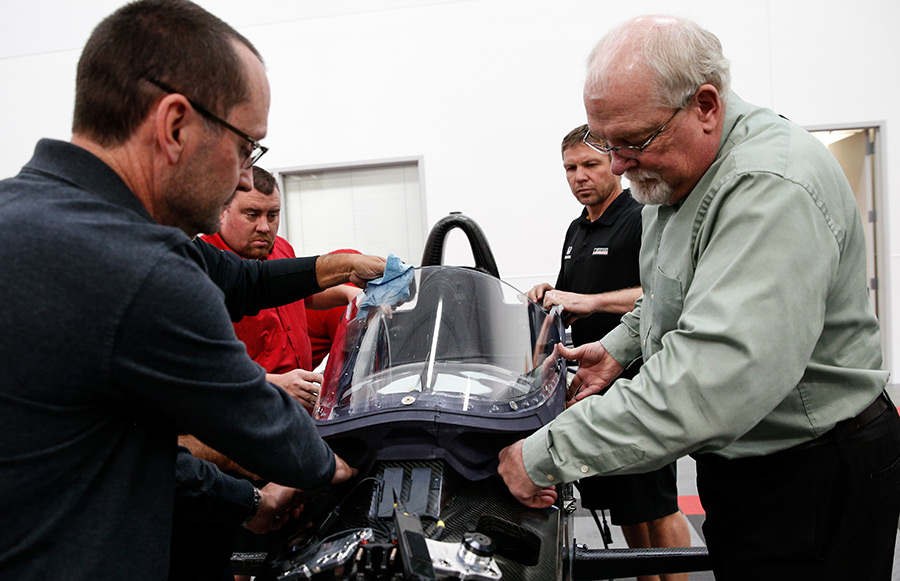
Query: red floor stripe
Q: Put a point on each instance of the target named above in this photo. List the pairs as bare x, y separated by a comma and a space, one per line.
690, 505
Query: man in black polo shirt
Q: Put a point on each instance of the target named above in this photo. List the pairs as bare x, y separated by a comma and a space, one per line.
598, 282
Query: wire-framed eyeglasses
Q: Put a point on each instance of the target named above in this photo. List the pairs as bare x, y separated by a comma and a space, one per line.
256, 148
630, 151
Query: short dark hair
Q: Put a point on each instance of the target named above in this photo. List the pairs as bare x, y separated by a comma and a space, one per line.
173, 41
264, 182
574, 137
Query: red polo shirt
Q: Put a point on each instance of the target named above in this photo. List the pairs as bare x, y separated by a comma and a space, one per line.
322, 325
276, 338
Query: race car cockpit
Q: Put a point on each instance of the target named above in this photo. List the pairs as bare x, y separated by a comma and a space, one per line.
461, 368
423, 388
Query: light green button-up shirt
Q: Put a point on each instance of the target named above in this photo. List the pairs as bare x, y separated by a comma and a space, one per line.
756, 328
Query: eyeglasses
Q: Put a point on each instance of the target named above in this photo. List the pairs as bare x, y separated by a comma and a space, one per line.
257, 150
630, 151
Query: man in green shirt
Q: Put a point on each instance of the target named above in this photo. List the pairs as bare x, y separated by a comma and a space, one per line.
761, 349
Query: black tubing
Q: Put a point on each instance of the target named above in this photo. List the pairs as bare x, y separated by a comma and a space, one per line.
593, 564
481, 251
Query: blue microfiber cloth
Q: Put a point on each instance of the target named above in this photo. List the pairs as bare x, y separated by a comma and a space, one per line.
391, 288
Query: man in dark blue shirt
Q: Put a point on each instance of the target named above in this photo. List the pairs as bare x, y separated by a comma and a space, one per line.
115, 338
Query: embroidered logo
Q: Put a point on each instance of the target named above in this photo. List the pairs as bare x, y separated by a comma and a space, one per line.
568, 253
601, 251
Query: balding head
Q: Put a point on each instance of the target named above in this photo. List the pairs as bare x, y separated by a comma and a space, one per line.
655, 91
677, 54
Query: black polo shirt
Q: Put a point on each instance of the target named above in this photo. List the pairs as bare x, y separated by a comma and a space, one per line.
602, 256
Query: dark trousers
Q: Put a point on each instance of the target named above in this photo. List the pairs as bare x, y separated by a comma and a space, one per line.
828, 511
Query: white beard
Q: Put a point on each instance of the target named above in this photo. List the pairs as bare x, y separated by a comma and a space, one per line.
648, 188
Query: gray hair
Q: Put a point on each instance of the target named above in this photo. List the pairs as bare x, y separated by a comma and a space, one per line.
679, 54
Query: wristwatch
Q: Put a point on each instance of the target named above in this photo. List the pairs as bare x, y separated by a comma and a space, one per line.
254, 506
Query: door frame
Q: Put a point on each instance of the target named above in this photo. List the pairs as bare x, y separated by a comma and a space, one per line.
880, 238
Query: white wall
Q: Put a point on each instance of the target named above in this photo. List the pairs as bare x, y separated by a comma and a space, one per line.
484, 90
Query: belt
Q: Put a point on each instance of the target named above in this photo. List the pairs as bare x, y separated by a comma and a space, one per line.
846, 427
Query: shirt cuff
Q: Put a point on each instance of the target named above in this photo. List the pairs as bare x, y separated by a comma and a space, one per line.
536, 458
622, 344
242, 495
544, 465
565, 457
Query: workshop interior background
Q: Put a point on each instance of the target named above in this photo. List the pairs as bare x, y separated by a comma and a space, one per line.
389, 114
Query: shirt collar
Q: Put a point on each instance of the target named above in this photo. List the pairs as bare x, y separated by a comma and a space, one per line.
735, 109
78, 166
611, 214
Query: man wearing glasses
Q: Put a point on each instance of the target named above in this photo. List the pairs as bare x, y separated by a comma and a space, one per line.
115, 337
599, 281
761, 348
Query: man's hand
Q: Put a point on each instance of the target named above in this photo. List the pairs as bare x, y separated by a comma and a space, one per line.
575, 305
366, 268
512, 470
300, 384
278, 505
335, 269
336, 296
224, 463
596, 369
538, 292
342, 470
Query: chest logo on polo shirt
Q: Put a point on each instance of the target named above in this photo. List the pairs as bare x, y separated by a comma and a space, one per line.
568, 253
600, 251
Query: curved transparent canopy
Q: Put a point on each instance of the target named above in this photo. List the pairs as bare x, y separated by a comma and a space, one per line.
461, 341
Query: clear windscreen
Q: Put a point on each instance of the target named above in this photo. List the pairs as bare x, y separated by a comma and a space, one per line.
461, 340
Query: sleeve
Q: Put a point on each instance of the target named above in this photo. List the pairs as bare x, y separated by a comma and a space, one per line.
745, 330
623, 342
253, 285
176, 353
560, 278
636, 233
205, 493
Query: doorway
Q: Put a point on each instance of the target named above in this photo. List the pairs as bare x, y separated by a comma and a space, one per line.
856, 150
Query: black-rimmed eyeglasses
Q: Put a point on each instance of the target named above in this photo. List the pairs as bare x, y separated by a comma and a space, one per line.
630, 151
257, 150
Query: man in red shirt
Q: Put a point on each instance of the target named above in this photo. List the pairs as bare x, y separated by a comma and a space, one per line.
322, 325
276, 338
